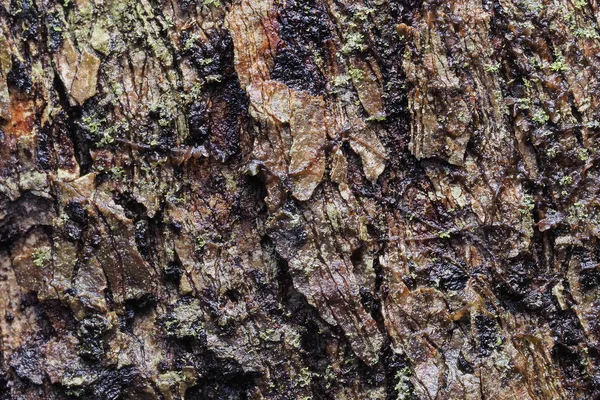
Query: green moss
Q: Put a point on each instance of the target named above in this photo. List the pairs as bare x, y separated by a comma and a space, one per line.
533, 6
534, 63
559, 64
402, 387
293, 339
76, 383
117, 172
171, 378
100, 40
552, 152
330, 376
162, 110
444, 235
377, 118
117, 89
463, 118
492, 67
586, 33
194, 94
145, 27
529, 203
523, 103
341, 81
356, 74
206, 61
41, 256
540, 117
304, 378
190, 42
362, 13
269, 335
92, 123
200, 243
566, 180
213, 78
502, 362
595, 124
577, 213
354, 42
167, 22
105, 139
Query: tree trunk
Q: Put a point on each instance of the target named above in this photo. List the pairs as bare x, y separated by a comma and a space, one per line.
299, 199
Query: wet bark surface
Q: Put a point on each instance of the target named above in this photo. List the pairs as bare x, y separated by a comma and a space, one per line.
300, 199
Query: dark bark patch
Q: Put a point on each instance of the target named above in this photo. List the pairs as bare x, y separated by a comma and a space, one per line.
589, 277
396, 366
223, 386
90, 332
449, 276
517, 276
569, 362
288, 233
173, 271
113, 383
133, 208
303, 29
463, 364
28, 300
23, 213
213, 58
135, 307
42, 151
227, 116
198, 123
369, 300
26, 18
20, 76
27, 364
76, 212
296, 70
141, 236
487, 335
566, 327
55, 32
4, 388
304, 22
221, 378
251, 200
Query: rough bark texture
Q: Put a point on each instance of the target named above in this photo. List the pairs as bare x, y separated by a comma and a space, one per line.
296, 199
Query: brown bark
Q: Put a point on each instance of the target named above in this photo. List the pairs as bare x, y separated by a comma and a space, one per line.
263, 199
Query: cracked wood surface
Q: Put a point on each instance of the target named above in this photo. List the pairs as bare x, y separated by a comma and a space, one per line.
326, 199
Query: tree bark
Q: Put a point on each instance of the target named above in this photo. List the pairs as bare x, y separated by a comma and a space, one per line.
299, 199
